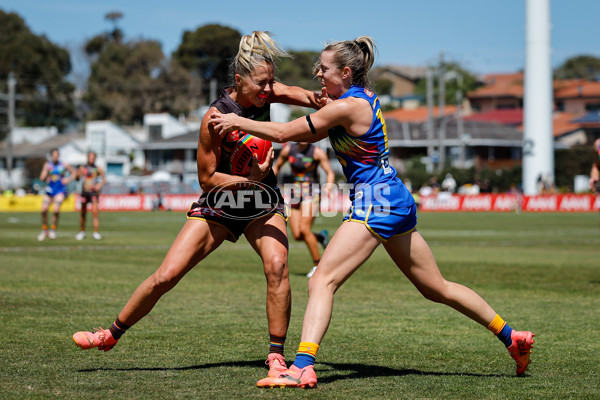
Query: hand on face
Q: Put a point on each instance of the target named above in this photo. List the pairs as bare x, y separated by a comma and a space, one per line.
324, 97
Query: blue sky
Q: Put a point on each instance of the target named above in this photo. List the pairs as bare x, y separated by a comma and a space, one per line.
484, 36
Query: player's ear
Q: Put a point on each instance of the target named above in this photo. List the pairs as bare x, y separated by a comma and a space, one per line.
238, 80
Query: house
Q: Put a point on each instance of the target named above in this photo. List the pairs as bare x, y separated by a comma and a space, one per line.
576, 106
28, 158
403, 78
115, 147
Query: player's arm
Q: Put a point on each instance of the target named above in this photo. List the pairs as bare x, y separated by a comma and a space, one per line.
283, 155
321, 156
209, 156
311, 128
44, 173
71, 176
296, 96
102, 182
594, 176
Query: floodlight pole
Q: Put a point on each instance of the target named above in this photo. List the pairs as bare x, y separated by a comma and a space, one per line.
538, 140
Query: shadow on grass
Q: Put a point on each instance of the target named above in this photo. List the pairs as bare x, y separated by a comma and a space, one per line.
340, 371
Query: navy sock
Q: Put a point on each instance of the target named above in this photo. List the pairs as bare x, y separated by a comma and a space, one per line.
304, 360
504, 335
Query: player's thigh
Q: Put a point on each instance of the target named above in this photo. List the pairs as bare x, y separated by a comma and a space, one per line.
294, 221
58, 200
95, 205
307, 215
46, 200
268, 237
195, 241
351, 245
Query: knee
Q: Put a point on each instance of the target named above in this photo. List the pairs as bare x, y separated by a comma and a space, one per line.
276, 267
298, 235
305, 231
161, 282
437, 294
319, 282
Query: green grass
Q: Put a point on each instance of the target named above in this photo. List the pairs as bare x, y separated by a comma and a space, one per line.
208, 339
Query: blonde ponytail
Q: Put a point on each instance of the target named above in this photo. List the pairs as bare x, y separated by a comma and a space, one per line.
254, 50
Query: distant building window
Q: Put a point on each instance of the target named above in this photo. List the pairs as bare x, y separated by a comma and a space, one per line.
560, 106
592, 107
155, 132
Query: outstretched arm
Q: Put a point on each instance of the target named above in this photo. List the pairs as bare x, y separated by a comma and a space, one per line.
283, 155
297, 96
341, 112
44, 173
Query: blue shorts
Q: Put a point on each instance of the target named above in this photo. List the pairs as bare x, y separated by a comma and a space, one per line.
55, 191
384, 209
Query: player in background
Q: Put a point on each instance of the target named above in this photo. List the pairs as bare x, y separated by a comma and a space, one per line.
304, 159
383, 210
595, 171
93, 180
57, 176
254, 89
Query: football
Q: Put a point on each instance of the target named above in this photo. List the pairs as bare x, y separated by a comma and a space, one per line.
246, 146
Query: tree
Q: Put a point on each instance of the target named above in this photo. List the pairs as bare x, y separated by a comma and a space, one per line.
40, 68
206, 52
130, 79
469, 82
298, 70
580, 67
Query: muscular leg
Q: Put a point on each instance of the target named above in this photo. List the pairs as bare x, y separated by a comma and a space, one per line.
82, 216
306, 222
58, 200
195, 241
45, 205
338, 262
95, 212
269, 239
412, 255
294, 222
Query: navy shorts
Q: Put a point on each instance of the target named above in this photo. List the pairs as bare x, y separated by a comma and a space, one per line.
235, 210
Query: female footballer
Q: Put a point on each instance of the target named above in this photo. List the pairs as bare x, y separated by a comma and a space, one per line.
382, 212
208, 226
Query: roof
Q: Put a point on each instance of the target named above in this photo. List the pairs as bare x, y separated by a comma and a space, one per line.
511, 116
29, 150
592, 117
186, 141
408, 72
576, 88
563, 123
475, 133
511, 85
417, 114
500, 85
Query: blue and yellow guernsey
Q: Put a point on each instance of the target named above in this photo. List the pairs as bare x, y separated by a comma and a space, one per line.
56, 172
364, 159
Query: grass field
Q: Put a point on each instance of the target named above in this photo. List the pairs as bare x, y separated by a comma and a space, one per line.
208, 338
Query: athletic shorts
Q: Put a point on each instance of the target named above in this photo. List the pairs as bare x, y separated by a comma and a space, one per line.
304, 192
53, 192
236, 210
382, 212
87, 197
